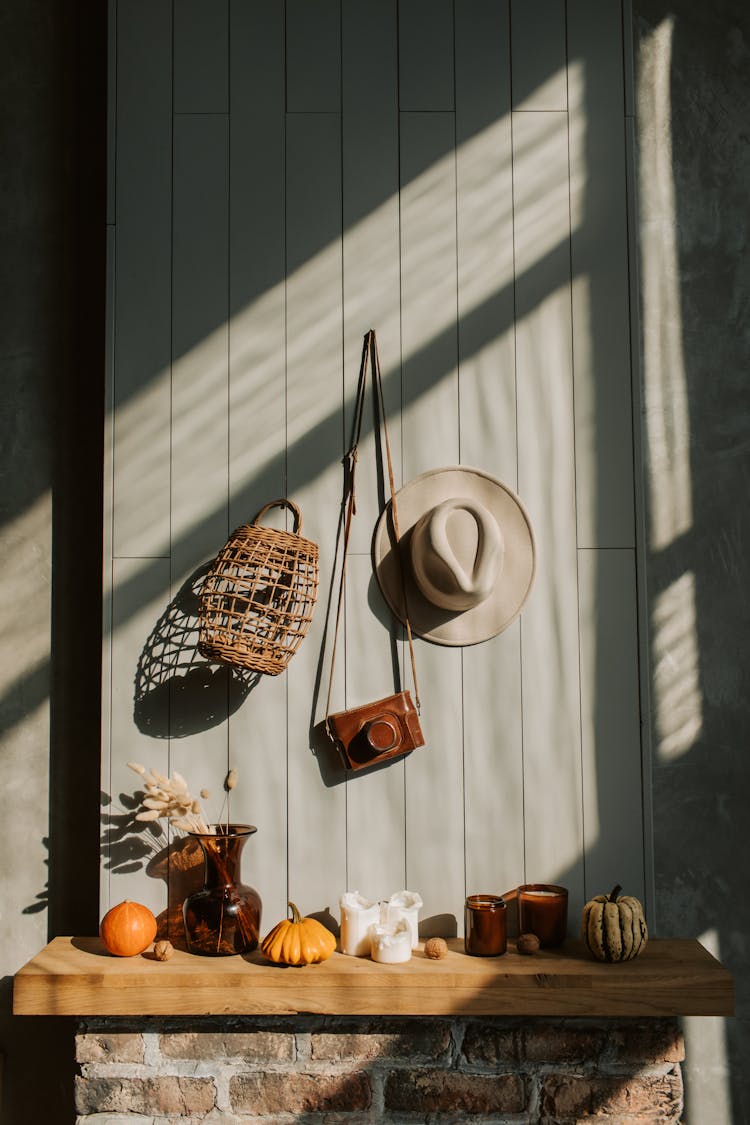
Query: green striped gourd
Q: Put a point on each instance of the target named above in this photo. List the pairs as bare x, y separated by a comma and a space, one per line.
614, 928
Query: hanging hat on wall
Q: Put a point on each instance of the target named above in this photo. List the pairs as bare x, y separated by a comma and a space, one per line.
467, 551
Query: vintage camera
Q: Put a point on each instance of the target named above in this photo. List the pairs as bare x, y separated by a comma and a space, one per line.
376, 732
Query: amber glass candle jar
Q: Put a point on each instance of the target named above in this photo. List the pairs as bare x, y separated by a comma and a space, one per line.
543, 910
485, 926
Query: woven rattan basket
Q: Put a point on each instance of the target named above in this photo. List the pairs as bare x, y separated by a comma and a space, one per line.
258, 597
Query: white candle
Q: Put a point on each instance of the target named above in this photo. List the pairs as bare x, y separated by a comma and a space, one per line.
357, 915
404, 904
391, 943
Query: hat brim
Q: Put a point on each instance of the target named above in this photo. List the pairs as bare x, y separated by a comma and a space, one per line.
397, 582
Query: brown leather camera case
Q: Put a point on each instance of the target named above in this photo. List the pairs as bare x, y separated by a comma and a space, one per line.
377, 732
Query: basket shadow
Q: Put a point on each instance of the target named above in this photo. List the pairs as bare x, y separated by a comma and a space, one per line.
178, 692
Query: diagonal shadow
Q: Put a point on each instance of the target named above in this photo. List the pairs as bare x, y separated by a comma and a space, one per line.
420, 372
267, 274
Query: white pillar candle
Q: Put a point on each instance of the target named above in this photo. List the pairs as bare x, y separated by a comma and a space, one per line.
390, 943
357, 915
404, 904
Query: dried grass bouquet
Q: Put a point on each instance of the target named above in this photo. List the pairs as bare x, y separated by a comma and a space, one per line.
169, 798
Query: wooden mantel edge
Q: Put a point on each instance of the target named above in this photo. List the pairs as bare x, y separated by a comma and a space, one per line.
76, 977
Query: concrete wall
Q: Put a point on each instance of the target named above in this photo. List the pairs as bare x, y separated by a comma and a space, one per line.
694, 174
693, 181
52, 83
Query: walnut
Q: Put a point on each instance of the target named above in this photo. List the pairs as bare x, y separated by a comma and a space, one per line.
527, 943
163, 950
435, 948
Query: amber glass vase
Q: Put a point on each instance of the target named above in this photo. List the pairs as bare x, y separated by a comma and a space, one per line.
223, 917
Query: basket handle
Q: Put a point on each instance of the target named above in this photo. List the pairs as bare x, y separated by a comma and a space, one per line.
283, 503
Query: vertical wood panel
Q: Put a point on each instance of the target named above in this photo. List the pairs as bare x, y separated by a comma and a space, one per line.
371, 234
128, 845
484, 208
434, 774
549, 626
257, 418
313, 56
425, 54
604, 448
493, 756
641, 532
376, 839
428, 292
200, 341
610, 719
538, 45
434, 793
292, 236
317, 800
375, 801
137, 444
199, 437
599, 252
142, 298
493, 751
201, 54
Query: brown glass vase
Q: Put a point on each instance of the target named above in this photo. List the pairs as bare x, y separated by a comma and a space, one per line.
223, 917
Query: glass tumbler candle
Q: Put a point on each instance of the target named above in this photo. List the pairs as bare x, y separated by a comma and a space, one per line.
543, 910
485, 925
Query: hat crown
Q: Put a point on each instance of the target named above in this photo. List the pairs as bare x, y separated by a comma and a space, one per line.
457, 560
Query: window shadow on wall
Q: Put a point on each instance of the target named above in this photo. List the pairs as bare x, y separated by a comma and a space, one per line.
75, 752
421, 371
694, 175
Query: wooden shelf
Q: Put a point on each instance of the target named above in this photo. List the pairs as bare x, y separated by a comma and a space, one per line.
76, 977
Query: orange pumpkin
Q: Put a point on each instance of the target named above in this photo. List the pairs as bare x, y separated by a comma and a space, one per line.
299, 941
127, 929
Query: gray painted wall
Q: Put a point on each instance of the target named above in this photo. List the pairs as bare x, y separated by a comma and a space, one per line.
52, 311
279, 186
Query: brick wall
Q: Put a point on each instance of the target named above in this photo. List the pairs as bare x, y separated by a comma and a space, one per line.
310, 1069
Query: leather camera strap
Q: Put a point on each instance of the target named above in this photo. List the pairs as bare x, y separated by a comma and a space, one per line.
369, 354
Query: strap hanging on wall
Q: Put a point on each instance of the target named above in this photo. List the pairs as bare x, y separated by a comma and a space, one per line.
387, 728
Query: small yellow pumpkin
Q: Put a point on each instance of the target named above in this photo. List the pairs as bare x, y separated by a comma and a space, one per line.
127, 929
298, 941
613, 927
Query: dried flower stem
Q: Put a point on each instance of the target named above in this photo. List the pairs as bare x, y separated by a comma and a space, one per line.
169, 798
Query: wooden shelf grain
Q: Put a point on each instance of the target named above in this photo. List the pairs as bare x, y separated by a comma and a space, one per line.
76, 977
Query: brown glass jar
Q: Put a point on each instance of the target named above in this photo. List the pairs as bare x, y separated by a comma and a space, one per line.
485, 925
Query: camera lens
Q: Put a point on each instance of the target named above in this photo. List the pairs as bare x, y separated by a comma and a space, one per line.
382, 734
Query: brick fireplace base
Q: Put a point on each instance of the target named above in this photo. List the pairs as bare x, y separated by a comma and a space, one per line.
330, 1069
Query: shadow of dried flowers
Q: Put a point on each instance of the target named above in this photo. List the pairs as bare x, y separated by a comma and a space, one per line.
131, 845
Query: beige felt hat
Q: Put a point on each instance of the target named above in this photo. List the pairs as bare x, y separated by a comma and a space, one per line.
468, 555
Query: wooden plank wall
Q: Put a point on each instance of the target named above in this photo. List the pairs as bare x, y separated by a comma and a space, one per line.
284, 177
